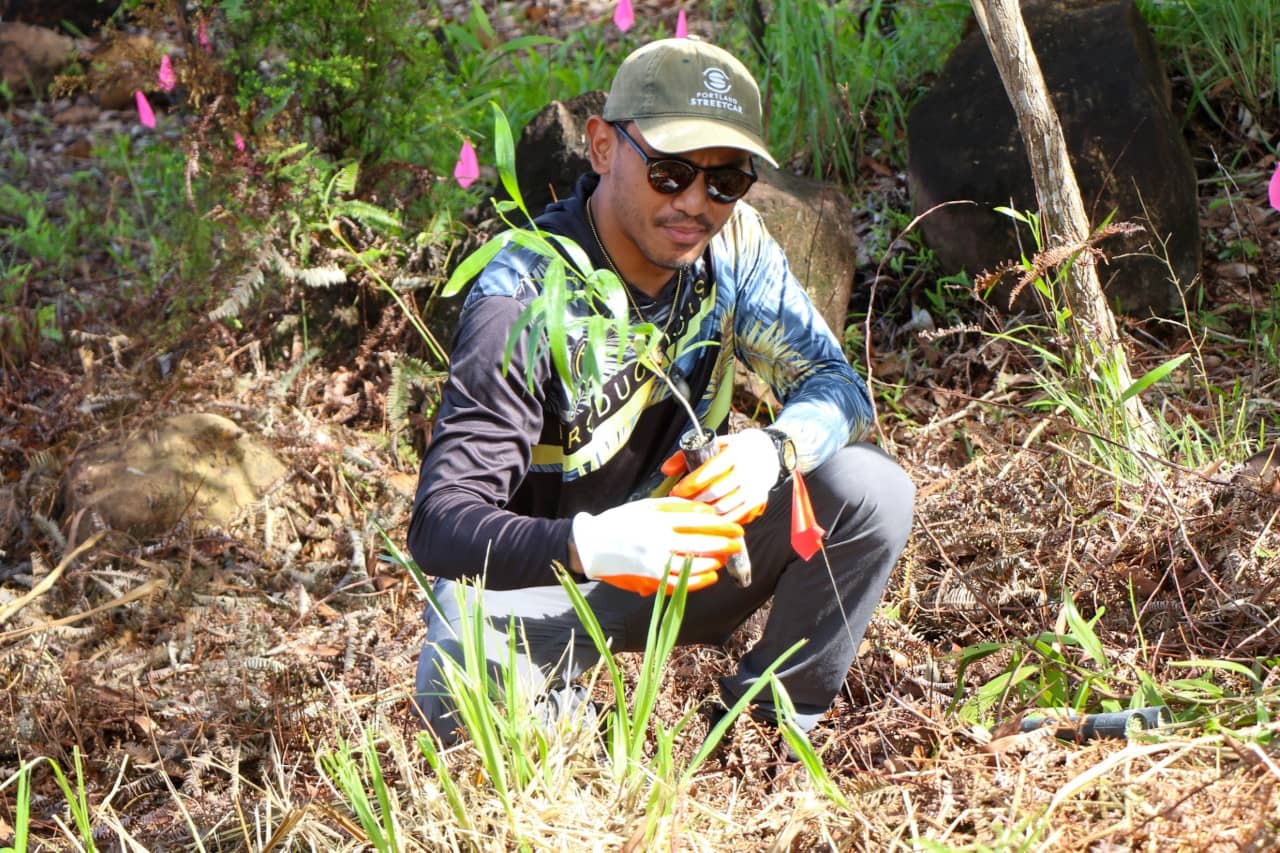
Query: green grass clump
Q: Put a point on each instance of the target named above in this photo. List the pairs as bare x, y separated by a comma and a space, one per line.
1222, 45
79, 249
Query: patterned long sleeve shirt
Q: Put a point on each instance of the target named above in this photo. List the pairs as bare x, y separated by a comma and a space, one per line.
508, 467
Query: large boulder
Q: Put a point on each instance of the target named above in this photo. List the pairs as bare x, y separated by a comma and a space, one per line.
552, 150
1112, 96
83, 15
30, 56
811, 221
199, 468
808, 218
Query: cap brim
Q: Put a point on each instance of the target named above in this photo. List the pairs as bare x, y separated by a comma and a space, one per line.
679, 135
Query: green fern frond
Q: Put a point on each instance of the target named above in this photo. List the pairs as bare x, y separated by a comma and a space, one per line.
411, 379
241, 294
367, 214
42, 461
344, 182
282, 264
321, 276
286, 380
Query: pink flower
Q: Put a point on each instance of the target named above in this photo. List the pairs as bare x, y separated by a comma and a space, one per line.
682, 25
624, 16
1273, 190
166, 77
468, 168
238, 141
146, 117
203, 36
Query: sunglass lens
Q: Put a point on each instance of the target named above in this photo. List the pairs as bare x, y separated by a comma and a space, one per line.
724, 185
728, 184
670, 176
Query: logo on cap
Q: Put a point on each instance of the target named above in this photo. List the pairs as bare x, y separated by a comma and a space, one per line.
716, 84
716, 80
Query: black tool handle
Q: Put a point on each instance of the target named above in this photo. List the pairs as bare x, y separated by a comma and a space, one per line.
699, 448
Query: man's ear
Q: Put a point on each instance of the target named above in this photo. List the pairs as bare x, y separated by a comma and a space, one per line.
600, 144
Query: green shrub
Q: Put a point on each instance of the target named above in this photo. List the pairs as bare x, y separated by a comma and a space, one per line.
380, 80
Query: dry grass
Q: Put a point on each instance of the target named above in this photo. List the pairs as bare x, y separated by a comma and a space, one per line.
203, 703
201, 675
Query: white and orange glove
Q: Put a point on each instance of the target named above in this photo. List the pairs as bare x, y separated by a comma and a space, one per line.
642, 546
736, 481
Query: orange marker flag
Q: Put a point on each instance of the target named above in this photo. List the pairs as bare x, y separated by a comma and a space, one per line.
806, 533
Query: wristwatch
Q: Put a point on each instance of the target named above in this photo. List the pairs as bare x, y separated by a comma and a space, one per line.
786, 452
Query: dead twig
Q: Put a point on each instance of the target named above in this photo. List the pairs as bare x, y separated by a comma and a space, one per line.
132, 595
7, 611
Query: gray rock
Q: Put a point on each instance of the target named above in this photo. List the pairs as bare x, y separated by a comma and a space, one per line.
1112, 96
811, 221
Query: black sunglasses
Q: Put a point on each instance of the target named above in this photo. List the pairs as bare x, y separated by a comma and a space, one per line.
670, 175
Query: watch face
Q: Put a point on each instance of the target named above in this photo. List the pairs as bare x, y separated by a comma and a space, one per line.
786, 450
788, 455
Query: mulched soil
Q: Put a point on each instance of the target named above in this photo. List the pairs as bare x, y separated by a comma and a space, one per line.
205, 660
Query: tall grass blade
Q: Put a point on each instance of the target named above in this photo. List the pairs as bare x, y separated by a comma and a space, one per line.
21, 809
77, 799
1153, 376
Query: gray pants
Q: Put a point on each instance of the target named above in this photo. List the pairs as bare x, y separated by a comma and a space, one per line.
862, 498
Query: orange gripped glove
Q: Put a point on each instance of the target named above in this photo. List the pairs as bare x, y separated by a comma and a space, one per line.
736, 481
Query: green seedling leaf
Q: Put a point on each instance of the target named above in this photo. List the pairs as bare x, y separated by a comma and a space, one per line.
1153, 376
1015, 215
1224, 665
610, 290
529, 319
534, 241
473, 265
594, 357
972, 654
1083, 632
1194, 689
522, 43
505, 154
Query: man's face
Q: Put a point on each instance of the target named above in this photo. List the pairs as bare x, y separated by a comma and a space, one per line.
662, 232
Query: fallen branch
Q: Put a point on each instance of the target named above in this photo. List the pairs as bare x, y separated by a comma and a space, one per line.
9, 610
132, 595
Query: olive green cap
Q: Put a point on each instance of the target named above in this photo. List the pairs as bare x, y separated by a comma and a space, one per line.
685, 94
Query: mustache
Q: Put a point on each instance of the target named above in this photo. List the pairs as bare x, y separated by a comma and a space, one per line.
684, 221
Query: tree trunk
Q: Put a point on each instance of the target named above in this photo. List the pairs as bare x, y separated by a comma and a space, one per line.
1062, 211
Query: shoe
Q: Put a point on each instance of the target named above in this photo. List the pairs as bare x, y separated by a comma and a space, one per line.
568, 703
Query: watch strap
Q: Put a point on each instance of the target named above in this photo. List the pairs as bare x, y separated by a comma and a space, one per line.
786, 451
